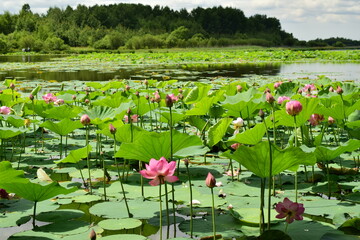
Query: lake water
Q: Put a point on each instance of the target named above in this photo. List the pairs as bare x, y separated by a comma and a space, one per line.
335, 71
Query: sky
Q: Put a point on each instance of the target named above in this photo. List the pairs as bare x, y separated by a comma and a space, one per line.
305, 19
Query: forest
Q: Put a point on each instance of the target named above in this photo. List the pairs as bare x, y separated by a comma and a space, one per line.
137, 26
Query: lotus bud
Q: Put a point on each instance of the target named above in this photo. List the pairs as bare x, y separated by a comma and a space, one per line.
85, 120
157, 97
331, 120
277, 84
186, 162
87, 101
112, 129
146, 82
235, 146
261, 114
270, 98
210, 181
127, 88
137, 94
331, 89
92, 235
31, 97
239, 88
293, 108
339, 90
12, 86
267, 90
180, 90
168, 101
230, 207
147, 97
73, 97
128, 112
300, 91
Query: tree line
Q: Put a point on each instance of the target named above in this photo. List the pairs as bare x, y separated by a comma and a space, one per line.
136, 26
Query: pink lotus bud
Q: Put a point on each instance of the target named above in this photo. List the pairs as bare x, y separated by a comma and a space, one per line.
267, 90
4, 110
210, 181
293, 108
73, 97
186, 162
315, 119
331, 89
168, 101
92, 235
31, 97
87, 101
331, 120
146, 82
277, 84
230, 207
12, 86
112, 129
239, 88
128, 112
270, 98
300, 91
339, 90
127, 88
137, 94
157, 97
147, 97
85, 120
261, 114
235, 146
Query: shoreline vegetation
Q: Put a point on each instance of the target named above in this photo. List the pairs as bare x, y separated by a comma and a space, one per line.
128, 27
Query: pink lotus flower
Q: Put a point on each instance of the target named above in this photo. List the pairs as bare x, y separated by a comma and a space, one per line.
239, 88
277, 84
315, 119
59, 102
235, 146
293, 108
49, 97
270, 98
85, 120
331, 120
170, 99
210, 181
309, 88
289, 210
281, 99
134, 118
160, 171
4, 110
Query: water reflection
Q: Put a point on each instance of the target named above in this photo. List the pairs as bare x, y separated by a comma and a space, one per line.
29, 58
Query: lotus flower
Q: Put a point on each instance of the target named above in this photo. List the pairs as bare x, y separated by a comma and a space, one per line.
281, 99
4, 110
49, 97
160, 171
315, 119
277, 84
293, 108
289, 210
210, 181
331, 120
85, 120
270, 98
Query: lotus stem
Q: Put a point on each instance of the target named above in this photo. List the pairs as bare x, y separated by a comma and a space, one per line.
104, 176
296, 173
160, 223
167, 208
262, 203
88, 158
34, 214
61, 148
270, 170
191, 199
120, 180
213, 213
232, 170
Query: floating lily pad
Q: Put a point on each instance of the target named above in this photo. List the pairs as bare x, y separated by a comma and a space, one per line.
124, 236
59, 215
120, 224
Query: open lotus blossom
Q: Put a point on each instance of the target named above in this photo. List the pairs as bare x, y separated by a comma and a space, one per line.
4, 110
49, 97
289, 210
170, 99
160, 171
281, 99
59, 102
293, 108
238, 123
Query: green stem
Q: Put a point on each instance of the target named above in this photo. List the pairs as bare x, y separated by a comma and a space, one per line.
296, 173
232, 170
88, 159
61, 148
270, 172
34, 214
191, 204
262, 203
104, 176
167, 205
160, 224
120, 180
213, 213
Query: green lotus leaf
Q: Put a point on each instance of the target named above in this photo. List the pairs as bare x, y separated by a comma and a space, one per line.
63, 112
329, 153
251, 136
156, 145
35, 91
14, 120
113, 101
9, 175
256, 158
12, 219
63, 128
124, 236
201, 107
59, 215
36, 192
197, 93
7, 132
76, 155
120, 224
177, 116
217, 132
99, 114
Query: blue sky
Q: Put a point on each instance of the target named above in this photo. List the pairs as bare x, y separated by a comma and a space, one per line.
306, 19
